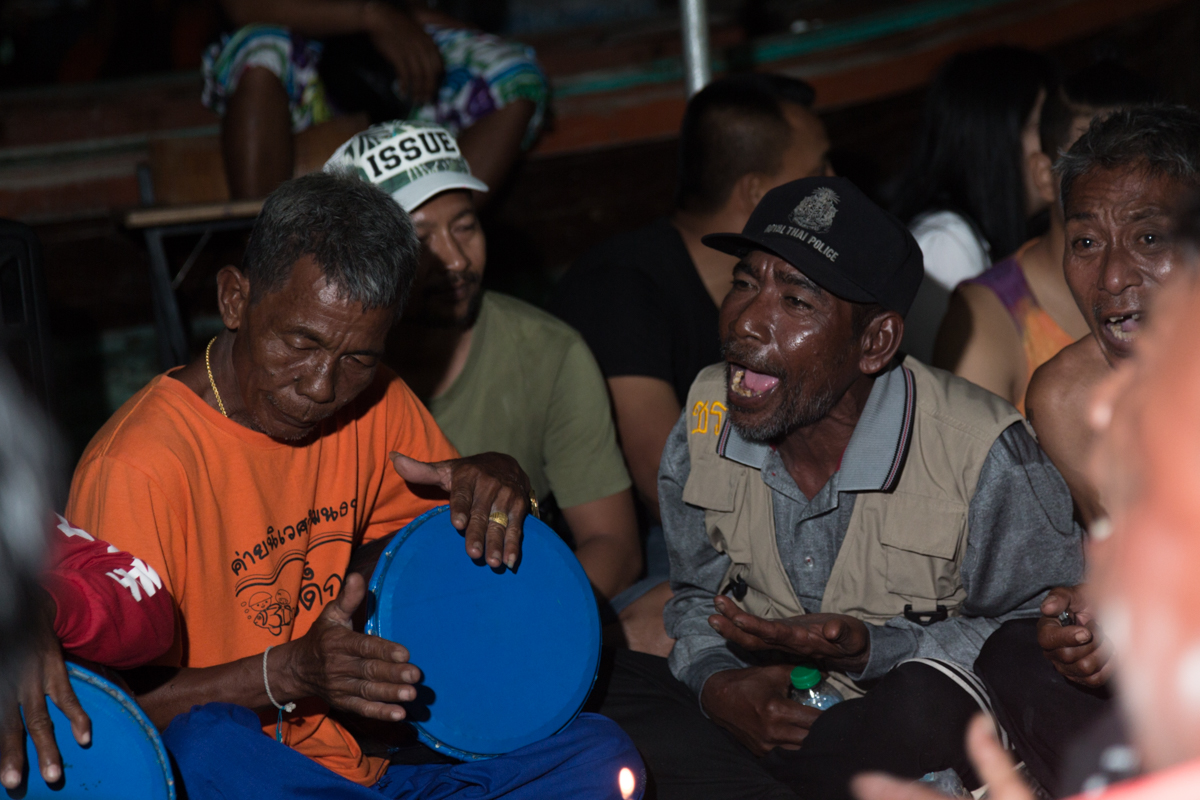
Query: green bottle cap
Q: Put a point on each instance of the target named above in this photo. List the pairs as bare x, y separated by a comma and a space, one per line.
805, 677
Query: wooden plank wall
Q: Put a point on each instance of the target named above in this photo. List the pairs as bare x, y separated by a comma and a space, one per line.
558, 204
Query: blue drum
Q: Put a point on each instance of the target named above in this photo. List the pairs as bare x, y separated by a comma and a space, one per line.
507, 656
125, 759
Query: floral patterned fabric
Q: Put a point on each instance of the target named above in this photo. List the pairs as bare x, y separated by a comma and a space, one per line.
483, 73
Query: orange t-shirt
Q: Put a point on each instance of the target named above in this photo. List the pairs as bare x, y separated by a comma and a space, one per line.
250, 535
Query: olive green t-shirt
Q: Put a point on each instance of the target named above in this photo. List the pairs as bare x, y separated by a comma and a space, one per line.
531, 389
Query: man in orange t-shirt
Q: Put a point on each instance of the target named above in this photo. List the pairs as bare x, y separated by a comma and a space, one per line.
248, 477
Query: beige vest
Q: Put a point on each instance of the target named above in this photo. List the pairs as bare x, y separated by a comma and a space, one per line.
905, 543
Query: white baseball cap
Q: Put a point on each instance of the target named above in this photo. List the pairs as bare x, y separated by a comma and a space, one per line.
411, 161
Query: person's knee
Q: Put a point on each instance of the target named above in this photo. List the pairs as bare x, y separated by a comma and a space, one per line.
1013, 642
192, 735
603, 751
908, 682
521, 110
603, 740
642, 622
257, 85
911, 698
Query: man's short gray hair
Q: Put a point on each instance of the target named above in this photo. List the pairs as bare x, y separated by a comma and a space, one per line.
29, 491
1164, 140
362, 240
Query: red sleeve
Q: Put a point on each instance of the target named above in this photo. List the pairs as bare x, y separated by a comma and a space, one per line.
112, 607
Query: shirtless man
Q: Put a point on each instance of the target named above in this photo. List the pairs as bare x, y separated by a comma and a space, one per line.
1001, 326
1121, 185
1120, 182
1146, 417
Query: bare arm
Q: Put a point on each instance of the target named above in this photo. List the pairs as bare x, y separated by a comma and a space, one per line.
164, 693
44, 675
979, 342
1057, 394
363, 674
646, 411
396, 34
606, 541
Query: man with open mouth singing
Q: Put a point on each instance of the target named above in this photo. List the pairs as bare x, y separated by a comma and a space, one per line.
839, 505
1122, 184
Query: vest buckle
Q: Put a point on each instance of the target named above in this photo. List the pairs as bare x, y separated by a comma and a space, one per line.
925, 618
736, 588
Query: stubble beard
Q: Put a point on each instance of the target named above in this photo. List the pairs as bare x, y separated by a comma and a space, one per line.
423, 317
796, 410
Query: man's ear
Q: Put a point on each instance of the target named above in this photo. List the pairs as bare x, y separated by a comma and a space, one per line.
1041, 170
880, 341
748, 190
233, 296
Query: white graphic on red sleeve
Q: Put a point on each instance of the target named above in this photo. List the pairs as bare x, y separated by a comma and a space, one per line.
70, 530
140, 577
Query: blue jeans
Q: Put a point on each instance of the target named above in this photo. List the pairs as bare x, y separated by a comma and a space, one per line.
222, 752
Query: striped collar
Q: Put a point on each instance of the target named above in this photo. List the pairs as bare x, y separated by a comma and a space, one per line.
875, 455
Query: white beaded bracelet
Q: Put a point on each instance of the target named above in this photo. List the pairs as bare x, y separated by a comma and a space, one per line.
288, 707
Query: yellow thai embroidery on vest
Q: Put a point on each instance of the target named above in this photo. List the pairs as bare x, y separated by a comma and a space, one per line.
701, 412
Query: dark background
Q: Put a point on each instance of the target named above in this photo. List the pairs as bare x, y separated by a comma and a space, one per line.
554, 207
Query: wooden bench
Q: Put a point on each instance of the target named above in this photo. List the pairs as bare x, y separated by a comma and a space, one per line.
184, 193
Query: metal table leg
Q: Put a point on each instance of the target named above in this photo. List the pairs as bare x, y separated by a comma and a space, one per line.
168, 323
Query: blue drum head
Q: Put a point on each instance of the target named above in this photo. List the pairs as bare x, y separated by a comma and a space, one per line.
507, 657
125, 759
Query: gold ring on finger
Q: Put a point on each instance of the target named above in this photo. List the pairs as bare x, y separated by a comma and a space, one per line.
500, 518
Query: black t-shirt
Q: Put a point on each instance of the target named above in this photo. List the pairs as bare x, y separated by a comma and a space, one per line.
642, 308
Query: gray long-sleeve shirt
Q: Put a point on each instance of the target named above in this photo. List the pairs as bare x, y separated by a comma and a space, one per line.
1022, 541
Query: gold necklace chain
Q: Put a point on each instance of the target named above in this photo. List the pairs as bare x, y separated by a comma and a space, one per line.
211, 382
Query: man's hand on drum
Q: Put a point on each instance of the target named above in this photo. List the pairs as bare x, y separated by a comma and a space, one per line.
753, 705
362, 674
369, 676
45, 674
489, 498
835, 640
1072, 639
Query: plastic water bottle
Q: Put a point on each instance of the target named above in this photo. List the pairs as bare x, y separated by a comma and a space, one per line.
947, 782
809, 688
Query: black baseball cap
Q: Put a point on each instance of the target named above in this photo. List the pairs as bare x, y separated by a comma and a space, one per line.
835, 235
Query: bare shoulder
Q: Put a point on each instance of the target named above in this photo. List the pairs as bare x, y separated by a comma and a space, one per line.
978, 341
1064, 383
1056, 405
982, 309
1054, 401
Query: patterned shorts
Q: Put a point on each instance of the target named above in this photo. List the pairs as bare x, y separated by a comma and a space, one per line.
482, 73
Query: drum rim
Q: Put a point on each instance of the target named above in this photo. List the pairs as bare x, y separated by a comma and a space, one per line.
372, 628
131, 708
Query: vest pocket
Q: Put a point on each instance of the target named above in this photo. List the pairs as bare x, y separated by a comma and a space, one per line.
754, 600
725, 536
736, 504
920, 538
712, 489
